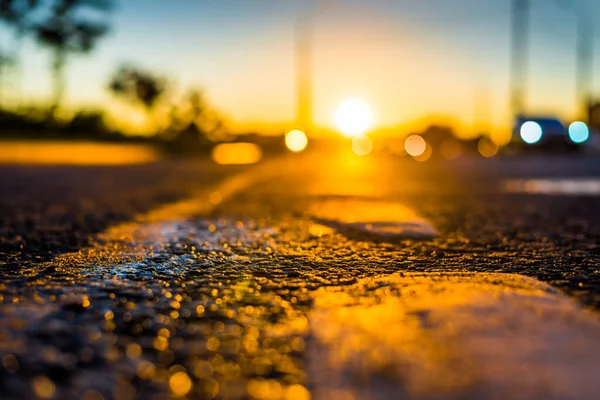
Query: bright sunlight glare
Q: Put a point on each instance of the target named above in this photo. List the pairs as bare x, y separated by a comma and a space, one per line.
296, 140
353, 117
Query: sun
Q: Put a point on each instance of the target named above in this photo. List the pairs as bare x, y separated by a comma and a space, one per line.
353, 117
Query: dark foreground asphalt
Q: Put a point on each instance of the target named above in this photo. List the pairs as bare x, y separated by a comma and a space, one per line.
217, 305
47, 210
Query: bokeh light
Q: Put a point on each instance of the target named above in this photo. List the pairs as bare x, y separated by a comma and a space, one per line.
501, 137
353, 117
487, 147
362, 145
426, 154
180, 383
236, 153
415, 145
579, 132
531, 132
44, 387
296, 140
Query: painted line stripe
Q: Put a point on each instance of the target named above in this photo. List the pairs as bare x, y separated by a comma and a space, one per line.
492, 336
166, 221
574, 186
380, 219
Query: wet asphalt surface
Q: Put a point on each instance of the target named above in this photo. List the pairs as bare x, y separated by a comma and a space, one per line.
215, 305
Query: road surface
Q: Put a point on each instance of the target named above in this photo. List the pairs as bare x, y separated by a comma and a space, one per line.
318, 275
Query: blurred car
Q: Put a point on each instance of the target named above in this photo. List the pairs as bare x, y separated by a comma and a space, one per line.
549, 133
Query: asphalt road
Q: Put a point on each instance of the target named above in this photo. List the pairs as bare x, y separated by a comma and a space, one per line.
47, 210
216, 297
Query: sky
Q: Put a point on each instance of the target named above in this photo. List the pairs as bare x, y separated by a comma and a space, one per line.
411, 60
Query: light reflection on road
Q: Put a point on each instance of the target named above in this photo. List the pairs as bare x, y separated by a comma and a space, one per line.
424, 336
376, 218
74, 153
236, 153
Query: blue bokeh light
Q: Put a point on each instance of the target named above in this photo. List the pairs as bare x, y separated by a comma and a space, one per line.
579, 132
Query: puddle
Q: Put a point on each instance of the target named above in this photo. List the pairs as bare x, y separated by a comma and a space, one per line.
378, 219
575, 186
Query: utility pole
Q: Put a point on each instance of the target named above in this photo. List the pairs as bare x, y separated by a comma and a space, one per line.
584, 54
304, 84
585, 61
519, 54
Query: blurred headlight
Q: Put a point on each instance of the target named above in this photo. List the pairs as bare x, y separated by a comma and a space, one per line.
531, 132
579, 132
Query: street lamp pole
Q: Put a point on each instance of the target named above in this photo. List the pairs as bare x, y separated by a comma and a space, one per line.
585, 61
519, 44
304, 89
584, 55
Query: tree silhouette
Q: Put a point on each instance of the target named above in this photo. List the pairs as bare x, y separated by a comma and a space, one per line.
5, 62
194, 126
15, 14
65, 31
205, 118
138, 86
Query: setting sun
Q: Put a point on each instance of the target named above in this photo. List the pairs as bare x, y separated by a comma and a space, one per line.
353, 117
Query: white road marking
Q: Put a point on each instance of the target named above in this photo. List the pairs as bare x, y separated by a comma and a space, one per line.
575, 186
171, 218
381, 219
425, 336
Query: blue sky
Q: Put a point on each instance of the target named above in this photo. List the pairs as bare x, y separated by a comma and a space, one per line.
408, 58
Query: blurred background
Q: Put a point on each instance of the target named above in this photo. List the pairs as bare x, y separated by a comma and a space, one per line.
108, 81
